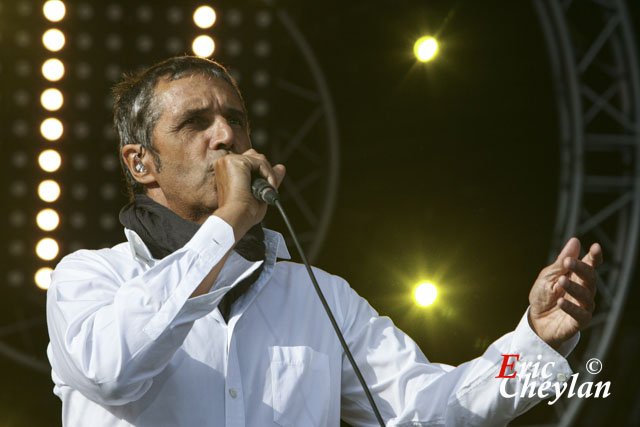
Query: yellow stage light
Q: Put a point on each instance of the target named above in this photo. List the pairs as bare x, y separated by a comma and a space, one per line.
53, 40
48, 219
43, 278
204, 17
53, 69
54, 10
425, 48
425, 294
51, 99
51, 129
49, 190
47, 249
49, 160
203, 46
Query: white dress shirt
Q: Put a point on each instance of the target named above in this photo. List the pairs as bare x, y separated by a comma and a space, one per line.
130, 348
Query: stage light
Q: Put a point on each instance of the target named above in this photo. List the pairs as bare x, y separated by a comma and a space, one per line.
53, 40
425, 294
53, 69
51, 129
425, 48
54, 10
51, 99
47, 249
203, 46
49, 190
48, 219
43, 278
49, 160
204, 17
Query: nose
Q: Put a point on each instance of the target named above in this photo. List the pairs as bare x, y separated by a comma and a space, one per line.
221, 135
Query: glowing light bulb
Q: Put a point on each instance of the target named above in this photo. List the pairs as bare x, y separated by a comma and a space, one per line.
49, 190
425, 294
43, 277
53, 69
49, 160
51, 129
425, 48
53, 40
47, 249
51, 99
204, 17
48, 219
203, 46
54, 10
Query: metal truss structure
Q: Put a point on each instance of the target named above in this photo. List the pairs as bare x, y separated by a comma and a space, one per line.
594, 61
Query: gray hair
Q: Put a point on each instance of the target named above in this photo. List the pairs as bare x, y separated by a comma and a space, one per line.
135, 109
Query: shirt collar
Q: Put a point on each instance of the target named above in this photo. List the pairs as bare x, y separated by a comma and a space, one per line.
274, 242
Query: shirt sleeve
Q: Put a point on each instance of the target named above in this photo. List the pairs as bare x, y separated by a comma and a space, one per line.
112, 328
409, 390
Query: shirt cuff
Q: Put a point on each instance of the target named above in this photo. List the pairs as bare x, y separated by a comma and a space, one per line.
538, 361
214, 234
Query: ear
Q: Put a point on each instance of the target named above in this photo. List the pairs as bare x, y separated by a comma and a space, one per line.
131, 157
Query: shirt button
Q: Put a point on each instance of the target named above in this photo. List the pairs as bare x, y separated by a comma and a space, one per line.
233, 392
561, 377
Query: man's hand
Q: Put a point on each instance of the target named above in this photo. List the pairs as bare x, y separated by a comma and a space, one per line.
562, 297
236, 204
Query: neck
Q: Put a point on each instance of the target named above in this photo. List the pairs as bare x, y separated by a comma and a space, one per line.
199, 216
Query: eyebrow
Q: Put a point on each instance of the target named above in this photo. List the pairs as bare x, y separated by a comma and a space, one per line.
197, 111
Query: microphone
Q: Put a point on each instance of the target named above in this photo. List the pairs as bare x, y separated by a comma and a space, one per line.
264, 192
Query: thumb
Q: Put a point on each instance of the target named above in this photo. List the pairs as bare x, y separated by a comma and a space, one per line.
279, 171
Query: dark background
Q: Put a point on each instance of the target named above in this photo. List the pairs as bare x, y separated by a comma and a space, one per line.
448, 171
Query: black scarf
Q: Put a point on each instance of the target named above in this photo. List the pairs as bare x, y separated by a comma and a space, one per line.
164, 232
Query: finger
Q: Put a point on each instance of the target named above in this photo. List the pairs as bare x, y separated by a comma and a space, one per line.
571, 249
583, 270
581, 294
261, 165
280, 171
594, 256
581, 315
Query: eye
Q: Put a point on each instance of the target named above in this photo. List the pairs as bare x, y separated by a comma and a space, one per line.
194, 122
235, 121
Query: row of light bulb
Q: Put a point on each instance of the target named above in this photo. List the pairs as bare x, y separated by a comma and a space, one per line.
203, 45
51, 129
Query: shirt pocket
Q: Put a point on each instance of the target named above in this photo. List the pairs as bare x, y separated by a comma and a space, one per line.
300, 386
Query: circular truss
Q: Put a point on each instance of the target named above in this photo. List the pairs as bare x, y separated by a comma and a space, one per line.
594, 63
307, 143
309, 195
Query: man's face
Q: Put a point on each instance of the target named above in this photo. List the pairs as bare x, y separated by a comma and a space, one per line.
202, 119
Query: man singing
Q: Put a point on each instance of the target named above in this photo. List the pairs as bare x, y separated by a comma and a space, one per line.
191, 322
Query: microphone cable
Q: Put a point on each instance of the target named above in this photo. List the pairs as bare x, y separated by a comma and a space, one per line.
266, 193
